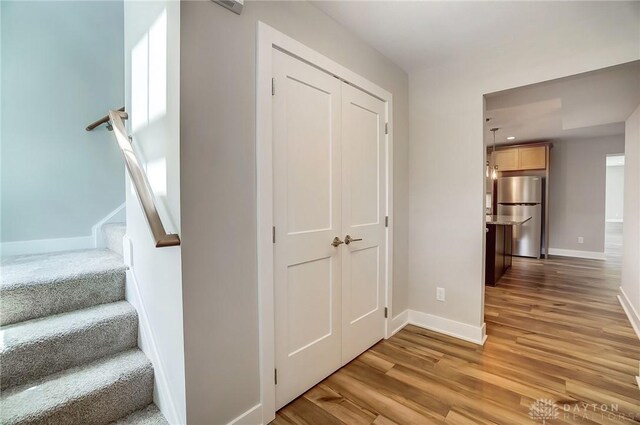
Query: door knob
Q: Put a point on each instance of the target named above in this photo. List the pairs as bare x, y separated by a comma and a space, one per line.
349, 239
336, 242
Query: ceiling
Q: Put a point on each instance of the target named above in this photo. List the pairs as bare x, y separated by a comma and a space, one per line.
593, 104
422, 34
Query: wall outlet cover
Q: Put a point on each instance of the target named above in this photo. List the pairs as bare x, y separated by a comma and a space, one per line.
440, 294
580, 239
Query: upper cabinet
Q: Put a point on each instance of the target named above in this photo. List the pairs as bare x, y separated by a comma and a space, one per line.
521, 158
533, 158
507, 159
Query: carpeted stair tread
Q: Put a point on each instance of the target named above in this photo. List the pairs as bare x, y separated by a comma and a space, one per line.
40, 347
33, 286
150, 415
113, 234
97, 393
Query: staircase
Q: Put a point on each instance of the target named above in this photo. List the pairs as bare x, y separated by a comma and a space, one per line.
68, 352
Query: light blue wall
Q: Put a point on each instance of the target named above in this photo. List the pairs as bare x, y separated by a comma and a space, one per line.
62, 68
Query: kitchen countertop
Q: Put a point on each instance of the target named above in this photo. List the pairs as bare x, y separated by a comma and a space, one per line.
507, 220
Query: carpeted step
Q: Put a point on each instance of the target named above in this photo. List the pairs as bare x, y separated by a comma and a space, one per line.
40, 285
97, 393
150, 415
40, 347
113, 234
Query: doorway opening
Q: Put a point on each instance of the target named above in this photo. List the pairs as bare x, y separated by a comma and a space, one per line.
614, 205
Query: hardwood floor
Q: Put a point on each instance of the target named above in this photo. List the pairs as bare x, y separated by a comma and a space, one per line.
556, 332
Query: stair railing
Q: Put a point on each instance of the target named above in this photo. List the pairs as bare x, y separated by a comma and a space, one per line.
139, 179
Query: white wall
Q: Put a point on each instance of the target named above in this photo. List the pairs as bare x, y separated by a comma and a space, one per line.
154, 283
631, 228
614, 205
62, 68
218, 67
577, 192
446, 218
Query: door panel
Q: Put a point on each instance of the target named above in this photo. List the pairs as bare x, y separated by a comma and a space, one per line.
308, 133
363, 186
307, 173
309, 303
364, 283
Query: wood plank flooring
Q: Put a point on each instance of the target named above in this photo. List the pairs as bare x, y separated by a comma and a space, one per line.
556, 331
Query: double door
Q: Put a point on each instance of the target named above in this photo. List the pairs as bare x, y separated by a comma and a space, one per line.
329, 165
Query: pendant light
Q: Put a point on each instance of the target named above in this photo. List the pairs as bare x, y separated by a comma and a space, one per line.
494, 173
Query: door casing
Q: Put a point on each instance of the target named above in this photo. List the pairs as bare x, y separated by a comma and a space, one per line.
268, 39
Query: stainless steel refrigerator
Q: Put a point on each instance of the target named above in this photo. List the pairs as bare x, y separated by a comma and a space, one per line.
522, 196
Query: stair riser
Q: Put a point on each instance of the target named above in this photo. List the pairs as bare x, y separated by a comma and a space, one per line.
113, 235
29, 362
31, 302
101, 407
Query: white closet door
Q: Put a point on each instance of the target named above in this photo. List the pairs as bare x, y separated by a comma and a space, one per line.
307, 174
363, 215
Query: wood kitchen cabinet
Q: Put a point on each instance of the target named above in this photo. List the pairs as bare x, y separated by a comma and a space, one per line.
506, 160
533, 158
522, 158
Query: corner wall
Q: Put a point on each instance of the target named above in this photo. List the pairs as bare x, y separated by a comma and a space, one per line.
447, 154
218, 181
154, 281
631, 229
577, 192
62, 69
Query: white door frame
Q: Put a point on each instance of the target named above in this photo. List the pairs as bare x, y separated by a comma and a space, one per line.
268, 39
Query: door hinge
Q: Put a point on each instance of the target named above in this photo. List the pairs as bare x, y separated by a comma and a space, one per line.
273, 234
275, 376
386, 221
273, 86
386, 312
386, 128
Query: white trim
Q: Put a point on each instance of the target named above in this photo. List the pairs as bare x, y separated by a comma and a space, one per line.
162, 391
614, 220
39, 246
46, 245
464, 331
591, 255
252, 416
630, 311
267, 39
116, 216
399, 322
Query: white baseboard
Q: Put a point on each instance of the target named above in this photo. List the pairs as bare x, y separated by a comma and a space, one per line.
41, 246
46, 245
252, 416
630, 311
464, 331
591, 255
399, 322
162, 394
614, 220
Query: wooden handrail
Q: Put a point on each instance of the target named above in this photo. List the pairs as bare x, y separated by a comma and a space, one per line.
101, 121
140, 182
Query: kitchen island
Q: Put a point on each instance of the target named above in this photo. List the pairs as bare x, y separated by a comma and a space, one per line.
498, 257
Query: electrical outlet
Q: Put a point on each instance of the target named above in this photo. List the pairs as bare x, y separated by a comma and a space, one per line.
440, 294
580, 239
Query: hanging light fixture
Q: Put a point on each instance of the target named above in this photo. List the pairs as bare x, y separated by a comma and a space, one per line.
494, 172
